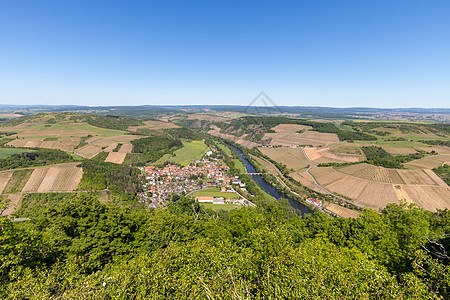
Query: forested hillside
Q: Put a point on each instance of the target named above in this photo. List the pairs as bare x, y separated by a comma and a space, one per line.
76, 247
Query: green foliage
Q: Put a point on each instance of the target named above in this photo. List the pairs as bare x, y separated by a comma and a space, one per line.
112, 122
257, 126
6, 140
83, 141
116, 149
17, 181
379, 157
436, 142
443, 172
99, 175
76, 247
154, 147
40, 157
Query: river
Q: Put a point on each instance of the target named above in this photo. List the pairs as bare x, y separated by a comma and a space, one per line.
267, 187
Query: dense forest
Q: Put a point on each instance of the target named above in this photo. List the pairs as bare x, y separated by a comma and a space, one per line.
39, 157
443, 172
76, 247
99, 175
379, 157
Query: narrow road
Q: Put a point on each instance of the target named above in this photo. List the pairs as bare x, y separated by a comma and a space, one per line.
315, 181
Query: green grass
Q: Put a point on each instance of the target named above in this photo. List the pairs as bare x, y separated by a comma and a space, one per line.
5, 152
239, 165
215, 192
72, 127
224, 149
399, 144
190, 152
217, 207
17, 181
77, 157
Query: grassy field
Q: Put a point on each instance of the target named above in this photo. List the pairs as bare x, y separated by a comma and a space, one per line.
224, 149
217, 207
77, 127
17, 181
239, 165
190, 152
5, 152
215, 192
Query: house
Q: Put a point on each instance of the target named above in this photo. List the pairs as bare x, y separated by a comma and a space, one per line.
204, 198
314, 201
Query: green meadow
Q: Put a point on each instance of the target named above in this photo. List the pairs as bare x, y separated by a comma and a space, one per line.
5, 152
215, 192
190, 152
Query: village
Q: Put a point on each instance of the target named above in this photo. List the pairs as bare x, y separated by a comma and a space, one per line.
162, 183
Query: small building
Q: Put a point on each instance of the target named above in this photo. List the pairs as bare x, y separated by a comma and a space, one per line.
204, 198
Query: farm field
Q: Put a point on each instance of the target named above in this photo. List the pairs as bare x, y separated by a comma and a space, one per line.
286, 135
341, 211
17, 181
190, 152
329, 156
88, 151
63, 177
207, 117
304, 178
400, 176
61, 144
153, 125
293, 158
266, 165
377, 195
239, 140
429, 162
215, 192
126, 148
60, 130
4, 178
115, 157
5, 152
217, 207
325, 155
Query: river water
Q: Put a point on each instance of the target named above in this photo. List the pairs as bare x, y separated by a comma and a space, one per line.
267, 187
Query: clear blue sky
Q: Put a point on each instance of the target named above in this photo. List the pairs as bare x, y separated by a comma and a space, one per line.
339, 53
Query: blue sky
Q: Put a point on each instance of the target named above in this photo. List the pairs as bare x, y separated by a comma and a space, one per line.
320, 53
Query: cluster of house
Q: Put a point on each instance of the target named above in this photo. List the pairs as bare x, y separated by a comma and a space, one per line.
162, 182
314, 201
221, 200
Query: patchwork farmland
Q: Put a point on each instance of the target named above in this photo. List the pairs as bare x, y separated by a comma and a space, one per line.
377, 194
293, 158
63, 177
289, 134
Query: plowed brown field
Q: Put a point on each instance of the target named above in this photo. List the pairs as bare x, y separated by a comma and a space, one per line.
64, 177
293, 158
116, 157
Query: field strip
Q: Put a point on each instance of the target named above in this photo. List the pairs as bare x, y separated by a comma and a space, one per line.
315, 181
4, 178
402, 194
115, 157
304, 153
403, 184
48, 181
13, 204
126, 148
35, 180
